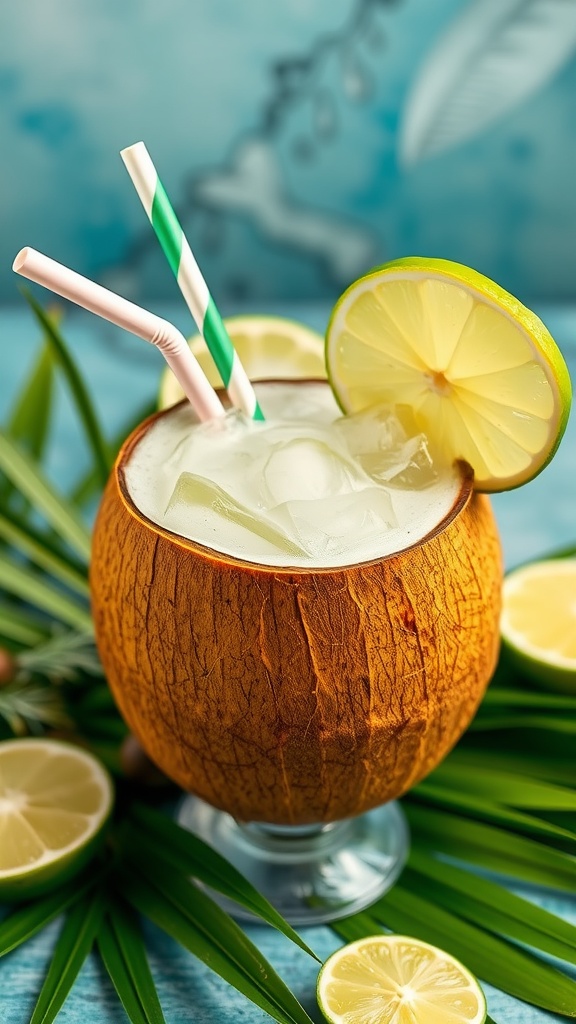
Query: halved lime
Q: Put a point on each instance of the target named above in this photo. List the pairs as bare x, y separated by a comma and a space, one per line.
54, 802
479, 371
538, 621
393, 979
268, 347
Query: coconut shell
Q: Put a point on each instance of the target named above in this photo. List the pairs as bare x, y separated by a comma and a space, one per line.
294, 696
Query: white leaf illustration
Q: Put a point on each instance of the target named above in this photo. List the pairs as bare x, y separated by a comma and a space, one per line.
493, 55
253, 185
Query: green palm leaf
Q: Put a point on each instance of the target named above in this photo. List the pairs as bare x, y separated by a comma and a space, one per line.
468, 761
492, 919
29, 543
479, 807
78, 389
74, 943
30, 417
43, 595
542, 930
27, 920
486, 723
496, 696
513, 790
123, 953
21, 626
29, 479
189, 855
196, 922
90, 485
517, 856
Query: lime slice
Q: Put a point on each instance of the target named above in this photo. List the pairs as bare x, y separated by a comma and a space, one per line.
54, 802
268, 347
479, 371
392, 979
538, 621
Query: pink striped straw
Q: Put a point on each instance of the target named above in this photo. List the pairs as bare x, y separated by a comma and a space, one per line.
172, 344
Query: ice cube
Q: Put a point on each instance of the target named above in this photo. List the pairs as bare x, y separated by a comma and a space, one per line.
389, 454
198, 491
371, 430
305, 469
340, 522
234, 427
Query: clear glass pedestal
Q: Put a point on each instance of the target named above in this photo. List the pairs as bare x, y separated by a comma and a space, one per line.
311, 874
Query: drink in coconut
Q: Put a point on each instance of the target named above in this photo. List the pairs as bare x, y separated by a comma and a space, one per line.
298, 617
291, 576
301, 616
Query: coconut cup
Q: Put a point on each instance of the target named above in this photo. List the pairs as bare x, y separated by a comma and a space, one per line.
293, 696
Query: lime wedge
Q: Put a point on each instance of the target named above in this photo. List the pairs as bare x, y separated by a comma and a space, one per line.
538, 621
392, 979
479, 371
54, 802
269, 347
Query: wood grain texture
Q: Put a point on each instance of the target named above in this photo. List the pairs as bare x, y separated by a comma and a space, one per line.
295, 696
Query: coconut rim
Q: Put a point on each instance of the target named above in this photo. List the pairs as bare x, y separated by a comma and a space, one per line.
209, 554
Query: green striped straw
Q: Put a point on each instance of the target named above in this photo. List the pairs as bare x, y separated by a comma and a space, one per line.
190, 281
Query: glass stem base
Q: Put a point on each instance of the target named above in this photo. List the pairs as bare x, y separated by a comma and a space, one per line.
311, 874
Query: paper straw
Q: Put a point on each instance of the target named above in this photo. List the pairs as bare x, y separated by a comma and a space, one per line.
190, 281
173, 346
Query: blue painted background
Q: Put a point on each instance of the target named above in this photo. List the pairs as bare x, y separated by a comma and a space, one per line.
301, 141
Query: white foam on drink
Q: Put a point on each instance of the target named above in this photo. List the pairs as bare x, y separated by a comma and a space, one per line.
306, 488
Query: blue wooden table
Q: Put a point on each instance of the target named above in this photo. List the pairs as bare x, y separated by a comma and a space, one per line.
123, 372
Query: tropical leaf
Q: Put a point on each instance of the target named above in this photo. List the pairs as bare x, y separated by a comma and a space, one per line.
21, 626
508, 854
493, 56
26, 921
123, 952
549, 723
197, 923
191, 856
513, 790
566, 552
558, 769
29, 419
29, 479
74, 943
43, 595
523, 698
89, 486
474, 806
28, 542
78, 389
491, 906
